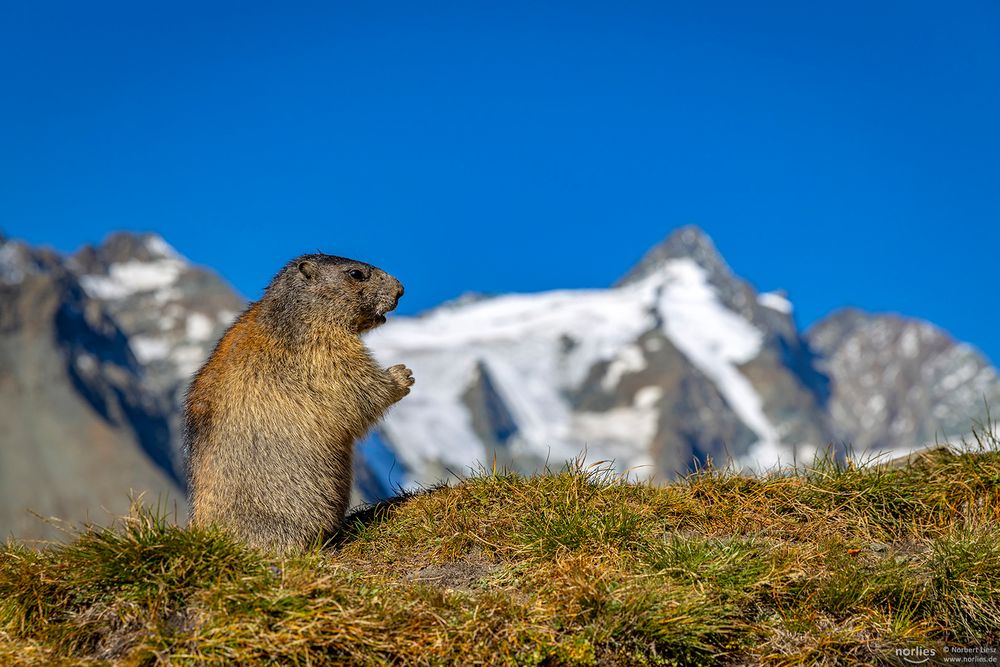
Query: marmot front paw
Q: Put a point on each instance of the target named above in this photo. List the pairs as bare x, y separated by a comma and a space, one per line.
402, 377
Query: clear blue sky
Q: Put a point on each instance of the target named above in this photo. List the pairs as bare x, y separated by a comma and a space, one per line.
846, 151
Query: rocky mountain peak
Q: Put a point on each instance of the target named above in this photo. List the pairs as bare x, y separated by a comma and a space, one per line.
123, 247
770, 312
16, 261
900, 380
171, 310
688, 242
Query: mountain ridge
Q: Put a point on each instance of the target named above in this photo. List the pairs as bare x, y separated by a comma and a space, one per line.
680, 360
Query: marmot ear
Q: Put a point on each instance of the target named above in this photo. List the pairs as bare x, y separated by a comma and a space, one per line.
308, 269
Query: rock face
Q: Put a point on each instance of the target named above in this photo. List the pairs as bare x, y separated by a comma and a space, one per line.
899, 381
171, 311
79, 429
680, 362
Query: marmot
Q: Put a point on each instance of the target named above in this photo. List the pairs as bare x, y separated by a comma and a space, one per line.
271, 418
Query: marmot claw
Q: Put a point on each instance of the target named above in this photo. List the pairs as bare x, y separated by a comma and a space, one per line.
402, 376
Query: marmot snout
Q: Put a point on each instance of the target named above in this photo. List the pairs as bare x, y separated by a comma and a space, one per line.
272, 416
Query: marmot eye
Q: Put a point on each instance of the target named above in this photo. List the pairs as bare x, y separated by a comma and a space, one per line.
356, 274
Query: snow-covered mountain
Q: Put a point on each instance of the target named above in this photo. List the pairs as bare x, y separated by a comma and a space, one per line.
171, 311
79, 429
680, 361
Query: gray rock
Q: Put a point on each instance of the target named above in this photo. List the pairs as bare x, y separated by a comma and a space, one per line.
79, 431
900, 383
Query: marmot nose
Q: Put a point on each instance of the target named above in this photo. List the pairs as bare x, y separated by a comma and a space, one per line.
399, 290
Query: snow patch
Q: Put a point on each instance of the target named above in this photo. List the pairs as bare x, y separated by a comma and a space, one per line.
607, 435
126, 278
775, 301
630, 360
909, 342
199, 327
716, 340
698, 324
160, 248
167, 295
148, 348
960, 376
648, 397
12, 265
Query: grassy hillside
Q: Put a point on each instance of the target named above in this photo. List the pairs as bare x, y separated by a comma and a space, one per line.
834, 564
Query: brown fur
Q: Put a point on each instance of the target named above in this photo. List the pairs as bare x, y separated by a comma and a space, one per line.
272, 416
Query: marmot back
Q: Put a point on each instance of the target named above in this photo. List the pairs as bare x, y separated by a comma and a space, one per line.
272, 417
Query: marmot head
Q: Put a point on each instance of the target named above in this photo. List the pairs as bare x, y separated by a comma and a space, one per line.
336, 291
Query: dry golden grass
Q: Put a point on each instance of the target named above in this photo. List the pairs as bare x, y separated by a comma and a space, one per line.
832, 565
